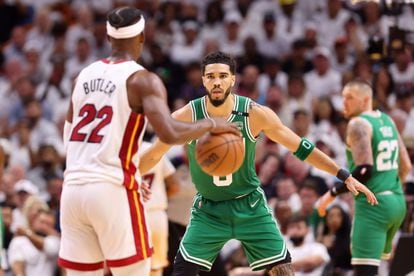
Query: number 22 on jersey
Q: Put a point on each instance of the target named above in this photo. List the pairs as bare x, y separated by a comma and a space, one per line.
90, 115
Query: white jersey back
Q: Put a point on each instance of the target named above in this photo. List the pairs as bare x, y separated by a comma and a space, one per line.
106, 133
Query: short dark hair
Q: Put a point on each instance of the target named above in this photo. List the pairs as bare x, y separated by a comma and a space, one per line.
297, 218
124, 16
218, 57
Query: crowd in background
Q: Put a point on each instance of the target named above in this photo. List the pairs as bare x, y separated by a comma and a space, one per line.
293, 56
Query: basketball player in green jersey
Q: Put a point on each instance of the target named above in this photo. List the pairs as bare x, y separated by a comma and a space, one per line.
378, 158
234, 206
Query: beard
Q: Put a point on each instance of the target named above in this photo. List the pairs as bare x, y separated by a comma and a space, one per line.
219, 102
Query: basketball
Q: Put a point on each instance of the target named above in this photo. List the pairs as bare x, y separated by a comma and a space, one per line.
220, 154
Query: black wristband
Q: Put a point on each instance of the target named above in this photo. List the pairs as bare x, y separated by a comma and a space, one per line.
338, 188
343, 175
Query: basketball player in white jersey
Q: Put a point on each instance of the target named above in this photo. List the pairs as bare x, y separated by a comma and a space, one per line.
162, 182
102, 215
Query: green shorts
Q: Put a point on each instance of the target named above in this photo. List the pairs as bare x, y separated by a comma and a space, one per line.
374, 227
247, 219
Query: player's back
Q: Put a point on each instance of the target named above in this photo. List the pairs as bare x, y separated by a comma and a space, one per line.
105, 133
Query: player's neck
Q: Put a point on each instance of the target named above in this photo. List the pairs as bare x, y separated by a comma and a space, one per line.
121, 55
223, 110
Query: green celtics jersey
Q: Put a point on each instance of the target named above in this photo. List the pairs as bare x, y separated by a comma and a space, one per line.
239, 183
385, 153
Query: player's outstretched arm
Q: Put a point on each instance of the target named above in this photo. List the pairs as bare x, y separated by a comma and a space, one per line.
405, 165
305, 150
147, 92
150, 157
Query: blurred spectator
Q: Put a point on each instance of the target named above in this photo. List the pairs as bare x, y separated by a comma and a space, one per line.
251, 55
290, 20
373, 21
272, 75
26, 91
55, 90
342, 61
23, 190
297, 61
309, 192
269, 173
323, 80
287, 191
82, 57
283, 213
23, 154
41, 33
41, 130
35, 67
14, 49
170, 73
248, 83
402, 70
11, 14
193, 87
101, 48
47, 167
335, 236
34, 251
297, 98
308, 257
274, 98
190, 47
82, 29
213, 27
272, 44
232, 42
331, 23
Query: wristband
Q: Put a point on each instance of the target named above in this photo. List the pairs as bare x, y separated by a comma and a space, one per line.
305, 148
343, 175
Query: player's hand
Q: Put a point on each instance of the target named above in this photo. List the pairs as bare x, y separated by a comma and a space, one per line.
355, 187
146, 191
323, 203
222, 125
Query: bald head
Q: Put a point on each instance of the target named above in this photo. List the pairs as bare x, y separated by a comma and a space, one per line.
357, 98
363, 88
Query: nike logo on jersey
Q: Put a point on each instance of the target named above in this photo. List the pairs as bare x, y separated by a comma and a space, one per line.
254, 203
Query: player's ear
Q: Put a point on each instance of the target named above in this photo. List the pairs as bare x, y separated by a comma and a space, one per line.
233, 80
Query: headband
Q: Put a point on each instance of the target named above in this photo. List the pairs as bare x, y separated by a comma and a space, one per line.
127, 31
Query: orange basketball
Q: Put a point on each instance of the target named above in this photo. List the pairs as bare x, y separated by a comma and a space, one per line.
220, 154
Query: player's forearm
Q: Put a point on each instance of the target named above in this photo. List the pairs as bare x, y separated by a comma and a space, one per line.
152, 156
182, 132
405, 165
320, 160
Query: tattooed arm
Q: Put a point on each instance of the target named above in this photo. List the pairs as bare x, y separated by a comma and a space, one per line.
405, 165
358, 138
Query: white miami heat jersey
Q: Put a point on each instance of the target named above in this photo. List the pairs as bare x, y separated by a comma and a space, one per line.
106, 133
155, 178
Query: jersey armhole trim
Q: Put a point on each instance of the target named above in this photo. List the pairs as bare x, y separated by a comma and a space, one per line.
246, 121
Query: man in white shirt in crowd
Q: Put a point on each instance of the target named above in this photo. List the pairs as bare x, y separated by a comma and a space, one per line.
308, 257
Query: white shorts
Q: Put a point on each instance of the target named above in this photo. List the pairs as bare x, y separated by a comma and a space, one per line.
158, 224
102, 222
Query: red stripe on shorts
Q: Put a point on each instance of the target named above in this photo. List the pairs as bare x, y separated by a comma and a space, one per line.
80, 266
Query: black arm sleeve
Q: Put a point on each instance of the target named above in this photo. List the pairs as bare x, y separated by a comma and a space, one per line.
362, 173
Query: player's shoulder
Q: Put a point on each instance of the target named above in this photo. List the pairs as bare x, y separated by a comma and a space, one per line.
184, 113
358, 122
257, 110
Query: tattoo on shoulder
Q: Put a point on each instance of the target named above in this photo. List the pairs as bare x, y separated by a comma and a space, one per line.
253, 104
359, 139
